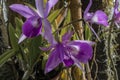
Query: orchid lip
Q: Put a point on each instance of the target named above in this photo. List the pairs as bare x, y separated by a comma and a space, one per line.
32, 27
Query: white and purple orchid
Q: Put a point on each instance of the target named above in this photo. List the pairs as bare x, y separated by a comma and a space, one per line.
99, 17
68, 52
116, 14
35, 19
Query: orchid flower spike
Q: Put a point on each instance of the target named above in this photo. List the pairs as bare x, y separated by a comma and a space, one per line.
35, 19
68, 52
116, 14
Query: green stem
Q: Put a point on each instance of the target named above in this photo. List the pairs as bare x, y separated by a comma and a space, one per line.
67, 25
88, 71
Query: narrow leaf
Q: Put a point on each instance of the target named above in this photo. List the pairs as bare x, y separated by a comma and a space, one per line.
61, 16
34, 51
13, 39
53, 15
5, 56
88, 33
19, 24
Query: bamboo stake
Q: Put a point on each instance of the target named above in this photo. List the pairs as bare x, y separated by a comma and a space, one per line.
76, 13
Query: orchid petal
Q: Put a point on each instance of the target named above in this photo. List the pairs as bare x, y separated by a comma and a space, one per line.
55, 58
68, 62
61, 51
88, 7
48, 32
23, 10
117, 17
88, 17
75, 42
83, 51
67, 36
116, 7
49, 5
23, 37
53, 61
32, 27
67, 58
100, 18
40, 7
116, 3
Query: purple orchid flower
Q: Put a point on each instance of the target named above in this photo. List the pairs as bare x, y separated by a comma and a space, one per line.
35, 19
68, 52
99, 17
116, 14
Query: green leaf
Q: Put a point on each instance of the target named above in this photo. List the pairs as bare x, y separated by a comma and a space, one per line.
88, 33
34, 51
54, 15
67, 20
19, 24
31, 6
5, 56
13, 39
